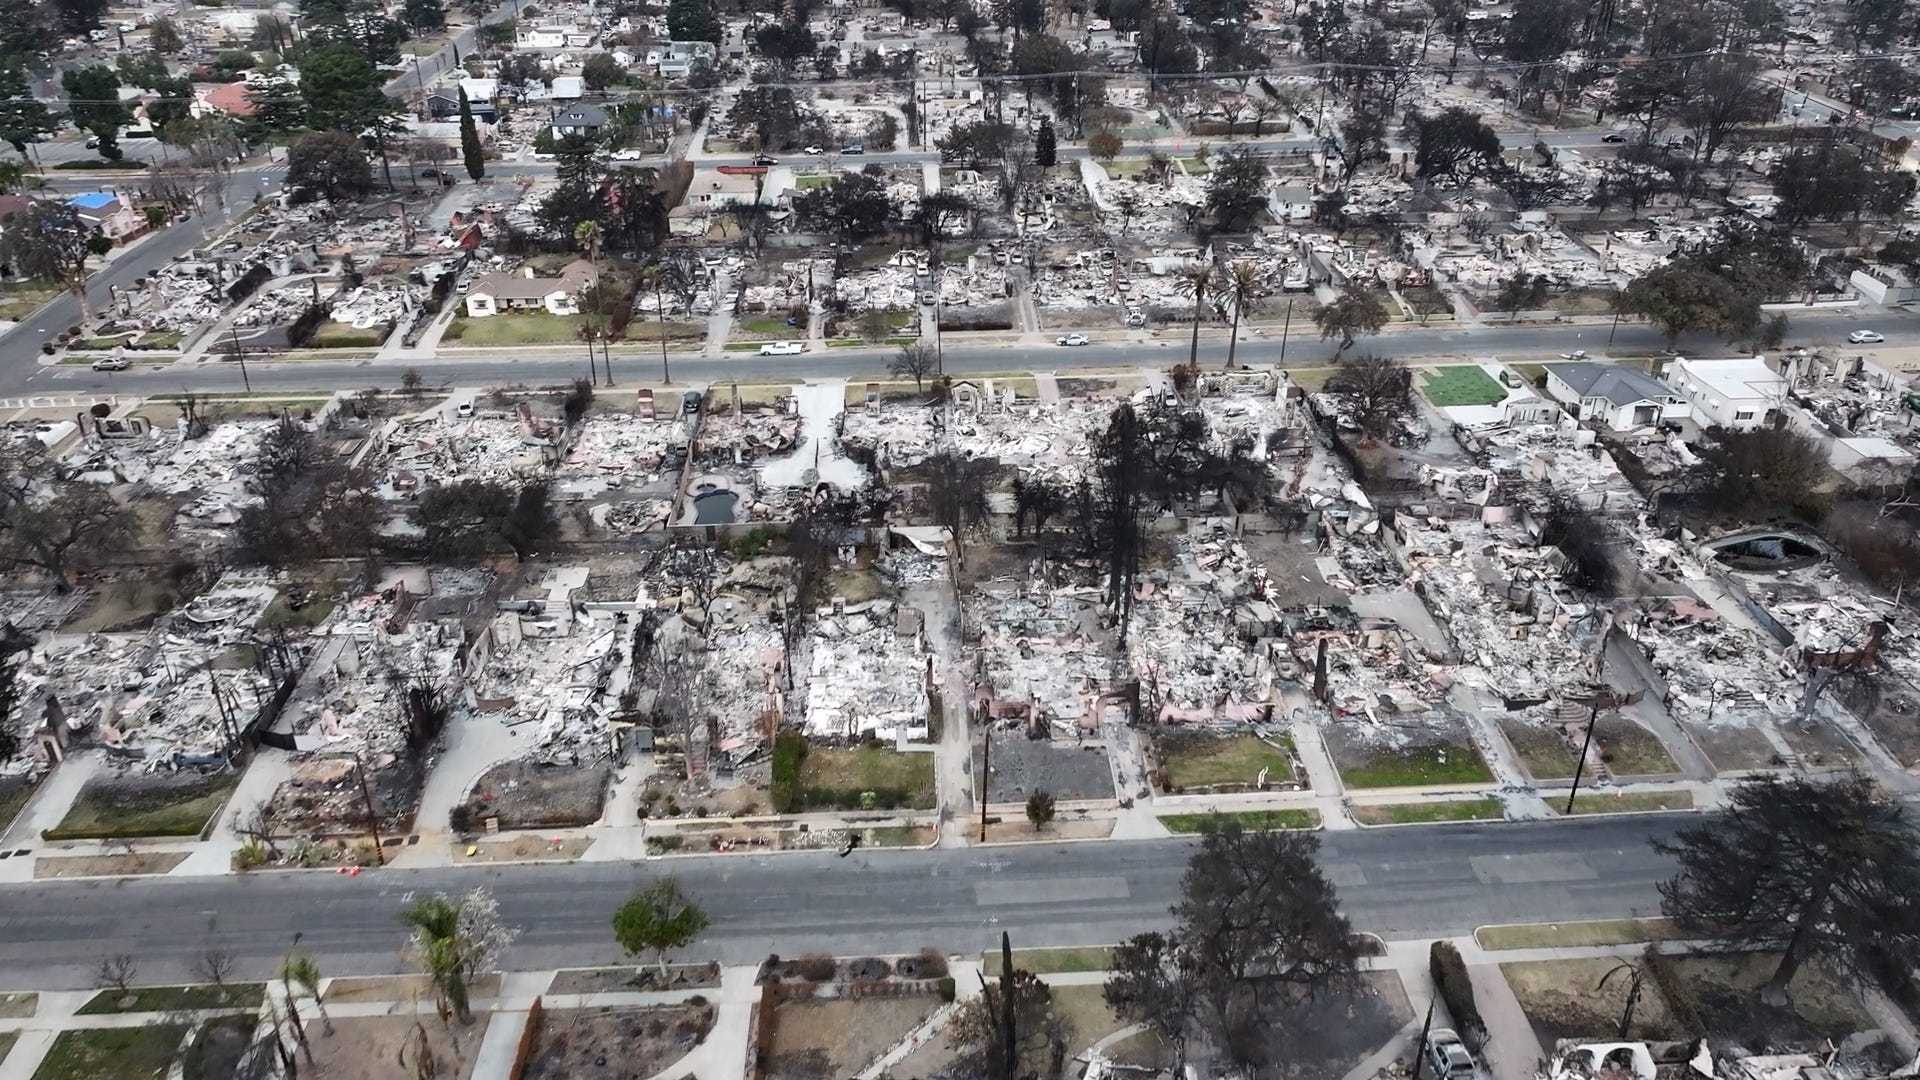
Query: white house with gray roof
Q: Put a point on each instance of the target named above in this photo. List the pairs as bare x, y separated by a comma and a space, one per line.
1621, 398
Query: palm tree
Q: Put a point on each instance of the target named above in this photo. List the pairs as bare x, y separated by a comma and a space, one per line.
436, 938
1243, 280
1197, 282
300, 970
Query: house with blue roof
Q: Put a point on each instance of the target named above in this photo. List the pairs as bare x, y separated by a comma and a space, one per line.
109, 211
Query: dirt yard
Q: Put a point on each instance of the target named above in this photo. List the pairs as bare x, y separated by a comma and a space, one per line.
150, 862
1733, 748
824, 1040
1562, 1000
533, 795
640, 977
616, 1043
1022, 766
1726, 991
371, 1047
1329, 1036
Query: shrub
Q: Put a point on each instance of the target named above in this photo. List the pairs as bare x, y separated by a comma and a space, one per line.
302, 329
814, 968
1456, 989
249, 855
933, 963
789, 751
946, 988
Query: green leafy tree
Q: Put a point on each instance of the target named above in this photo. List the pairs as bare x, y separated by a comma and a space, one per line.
424, 16
1354, 311
93, 95
22, 119
601, 71
164, 37
1520, 290
343, 94
658, 919
1236, 190
278, 107
48, 241
853, 208
53, 523
1454, 144
1377, 392
693, 20
1808, 869
330, 163
1104, 145
301, 970
530, 523
470, 153
1681, 298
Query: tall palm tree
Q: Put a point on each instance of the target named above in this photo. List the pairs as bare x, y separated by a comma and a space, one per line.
1243, 281
300, 970
1197, 282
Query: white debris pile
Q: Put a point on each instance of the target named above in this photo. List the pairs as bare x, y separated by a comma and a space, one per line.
157, 696
1716, 672
217, 467
740, 680
276, 307
554, 670
1186, 645
1036, 438
615, 450
375, 303
179, 296
633, 516
437, 450
1081, 280
353, 695
1519, 632
980, 281
1568, 458
892, 287
867, 672
1251, 421
1041, 649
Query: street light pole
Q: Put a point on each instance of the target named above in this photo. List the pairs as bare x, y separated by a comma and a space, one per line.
240, 354
1284, 328
373, 819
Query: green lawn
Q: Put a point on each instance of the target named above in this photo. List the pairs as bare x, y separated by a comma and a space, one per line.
653, 331
1418, 766
140, 1053
518, 328
859, 343
1196, 166
1575, 934
1625, 803
168, 998
7, 1039
339, 335
808, 183
160, 339
1050, 961
1535, 374
1462, 384
839, 778
1484, 809
1540, 749
1251, 820
768, 326
106, 811
1207, 761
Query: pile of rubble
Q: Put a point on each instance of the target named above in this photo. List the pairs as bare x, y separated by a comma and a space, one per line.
867, 672
1041, 654
1191, 642
433, 450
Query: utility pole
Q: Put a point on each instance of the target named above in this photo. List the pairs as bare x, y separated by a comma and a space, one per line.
1580, 765
1010, 1050
1420, 1051
1284, 328
373, 819
240, 354
986, 764
660, 311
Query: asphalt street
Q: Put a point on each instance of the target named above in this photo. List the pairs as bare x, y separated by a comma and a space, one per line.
1427, 881
639, 364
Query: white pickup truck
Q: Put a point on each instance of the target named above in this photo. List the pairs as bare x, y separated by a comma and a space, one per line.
1449, 1058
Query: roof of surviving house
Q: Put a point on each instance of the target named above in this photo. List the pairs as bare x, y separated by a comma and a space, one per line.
1622, 386
232, 99
94, 200
582, 116
574, 276
1739, 377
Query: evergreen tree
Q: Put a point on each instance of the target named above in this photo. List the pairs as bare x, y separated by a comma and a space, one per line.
470, 140
1046, 151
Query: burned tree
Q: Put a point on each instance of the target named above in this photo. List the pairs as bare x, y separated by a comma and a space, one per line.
1582, 537
957, 491
1809, 869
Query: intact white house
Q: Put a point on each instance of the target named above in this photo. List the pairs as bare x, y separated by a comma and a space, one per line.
492, 294
1620, 398
1740, 393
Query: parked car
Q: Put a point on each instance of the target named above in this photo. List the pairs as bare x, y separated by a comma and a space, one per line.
782, 348
763, 159
112, 363
1071, 339
629, 154
1450, 1057
464, 409
853, 148
1613, 137
1866, 337
815, 151
430, 174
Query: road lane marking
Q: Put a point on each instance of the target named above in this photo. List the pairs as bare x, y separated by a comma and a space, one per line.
1051, 891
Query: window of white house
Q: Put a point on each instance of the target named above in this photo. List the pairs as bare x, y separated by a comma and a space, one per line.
1743, 416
